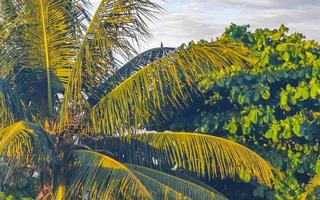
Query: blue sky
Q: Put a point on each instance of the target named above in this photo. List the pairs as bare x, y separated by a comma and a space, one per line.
186, 20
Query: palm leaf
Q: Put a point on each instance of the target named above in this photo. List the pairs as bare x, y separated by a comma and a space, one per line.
24, 144
101, 177
127, 70
162, 185
32, 92
49, 41
11, 40
11, 108
114, 30
310, 187
137, 100
207, 155
59, 193
8, 10
48, 31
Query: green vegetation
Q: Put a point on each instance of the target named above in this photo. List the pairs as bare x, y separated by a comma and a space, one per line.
72, 121
272, 107
16, 196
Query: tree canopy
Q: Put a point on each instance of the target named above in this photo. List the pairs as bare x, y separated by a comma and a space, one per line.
272, 107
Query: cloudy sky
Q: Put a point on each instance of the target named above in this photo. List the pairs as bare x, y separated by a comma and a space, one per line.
186, 20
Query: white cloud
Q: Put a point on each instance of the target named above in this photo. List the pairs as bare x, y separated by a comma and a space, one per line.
187, 20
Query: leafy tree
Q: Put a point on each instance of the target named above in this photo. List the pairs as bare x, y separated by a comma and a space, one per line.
64, 96
273, 107
4, 196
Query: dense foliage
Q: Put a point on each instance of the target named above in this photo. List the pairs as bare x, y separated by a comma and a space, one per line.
15, 196
272, 108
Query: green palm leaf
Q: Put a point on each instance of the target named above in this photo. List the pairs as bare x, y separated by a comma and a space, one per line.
137, 100
310, 187
11, 40
25, 144
49, 41
59, 193
207, 155
112, 33
11, 108
126, 71
102, 178
164, 185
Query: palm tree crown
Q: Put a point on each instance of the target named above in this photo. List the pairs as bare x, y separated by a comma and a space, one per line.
72, 113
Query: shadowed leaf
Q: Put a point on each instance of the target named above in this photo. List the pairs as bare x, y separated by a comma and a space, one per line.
102, 178
210, 156
11, 108
163, 185
25, 144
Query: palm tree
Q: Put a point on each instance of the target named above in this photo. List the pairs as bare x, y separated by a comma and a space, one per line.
311, 187
71, 115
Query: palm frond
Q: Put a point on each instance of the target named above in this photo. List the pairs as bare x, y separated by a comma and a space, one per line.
144, 95
164, 185
49, 40
127, 70
209, 156
8, 10
101, 177
32, 92
24, 144
48, 31
310, 187
59, 193
115, 29
11, 108
11, 46
79, 15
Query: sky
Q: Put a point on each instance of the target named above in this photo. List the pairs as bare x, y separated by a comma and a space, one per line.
186, 20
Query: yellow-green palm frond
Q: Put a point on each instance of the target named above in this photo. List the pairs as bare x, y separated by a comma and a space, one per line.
8, 10
310, 187
10, 39
146, 94
101, 177
114, 30
47, 36
11, 108
59, 193
46, 30
134, 65
6, 29
162, 185
24, 144
80, 15
50, 37
207, 155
